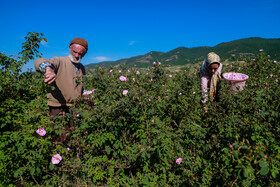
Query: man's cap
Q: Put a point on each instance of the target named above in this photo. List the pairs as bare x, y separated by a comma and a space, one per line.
80, 41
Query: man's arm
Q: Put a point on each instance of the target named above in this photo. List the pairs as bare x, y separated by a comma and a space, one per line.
46, 67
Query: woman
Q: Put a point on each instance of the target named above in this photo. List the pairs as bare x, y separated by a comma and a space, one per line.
210, 76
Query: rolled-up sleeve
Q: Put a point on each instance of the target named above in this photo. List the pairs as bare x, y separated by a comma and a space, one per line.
41, 64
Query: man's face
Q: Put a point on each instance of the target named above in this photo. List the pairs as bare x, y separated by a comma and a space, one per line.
77, 51
213, 68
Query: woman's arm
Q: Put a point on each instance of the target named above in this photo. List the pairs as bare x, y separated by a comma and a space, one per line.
220, 68
204, 80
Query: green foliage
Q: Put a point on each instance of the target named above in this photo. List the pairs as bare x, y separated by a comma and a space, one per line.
18, 89
135, 138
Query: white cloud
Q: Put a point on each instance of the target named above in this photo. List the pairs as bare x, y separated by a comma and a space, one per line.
101, 58
132, 42
44, 43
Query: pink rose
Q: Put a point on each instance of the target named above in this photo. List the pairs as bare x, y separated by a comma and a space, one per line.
125, 92
179, 160
123, 79
41, 132
56, 159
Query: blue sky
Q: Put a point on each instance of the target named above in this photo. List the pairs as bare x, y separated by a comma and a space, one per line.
126, 28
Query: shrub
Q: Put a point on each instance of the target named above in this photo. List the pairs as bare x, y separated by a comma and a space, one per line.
137, 138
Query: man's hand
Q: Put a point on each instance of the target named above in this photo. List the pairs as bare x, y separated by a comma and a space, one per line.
50, 76
85, 96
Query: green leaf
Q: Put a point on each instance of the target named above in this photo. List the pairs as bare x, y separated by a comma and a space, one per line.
227, 162
32, 171
225, 150
108, 150
274, 173
245, 173
51, 166
264, 170
240, 166
236, 154
263, 164
16, 174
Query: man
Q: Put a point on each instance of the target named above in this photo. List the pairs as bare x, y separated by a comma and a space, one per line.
65, 75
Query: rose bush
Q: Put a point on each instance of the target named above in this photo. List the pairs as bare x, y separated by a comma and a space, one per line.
157, 134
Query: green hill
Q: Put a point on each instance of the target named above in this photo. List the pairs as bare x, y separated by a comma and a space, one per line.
247, 47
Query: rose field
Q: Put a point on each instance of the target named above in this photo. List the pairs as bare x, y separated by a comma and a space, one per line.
141, 127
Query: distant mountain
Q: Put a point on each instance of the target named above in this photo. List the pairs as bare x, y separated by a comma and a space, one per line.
247, 47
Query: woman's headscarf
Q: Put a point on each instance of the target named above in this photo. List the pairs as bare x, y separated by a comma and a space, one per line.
210, 59
216, 77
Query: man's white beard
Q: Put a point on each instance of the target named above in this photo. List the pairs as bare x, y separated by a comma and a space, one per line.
73, 59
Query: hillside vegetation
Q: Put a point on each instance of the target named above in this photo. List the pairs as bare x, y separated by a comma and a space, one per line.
141, 127
243, 48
